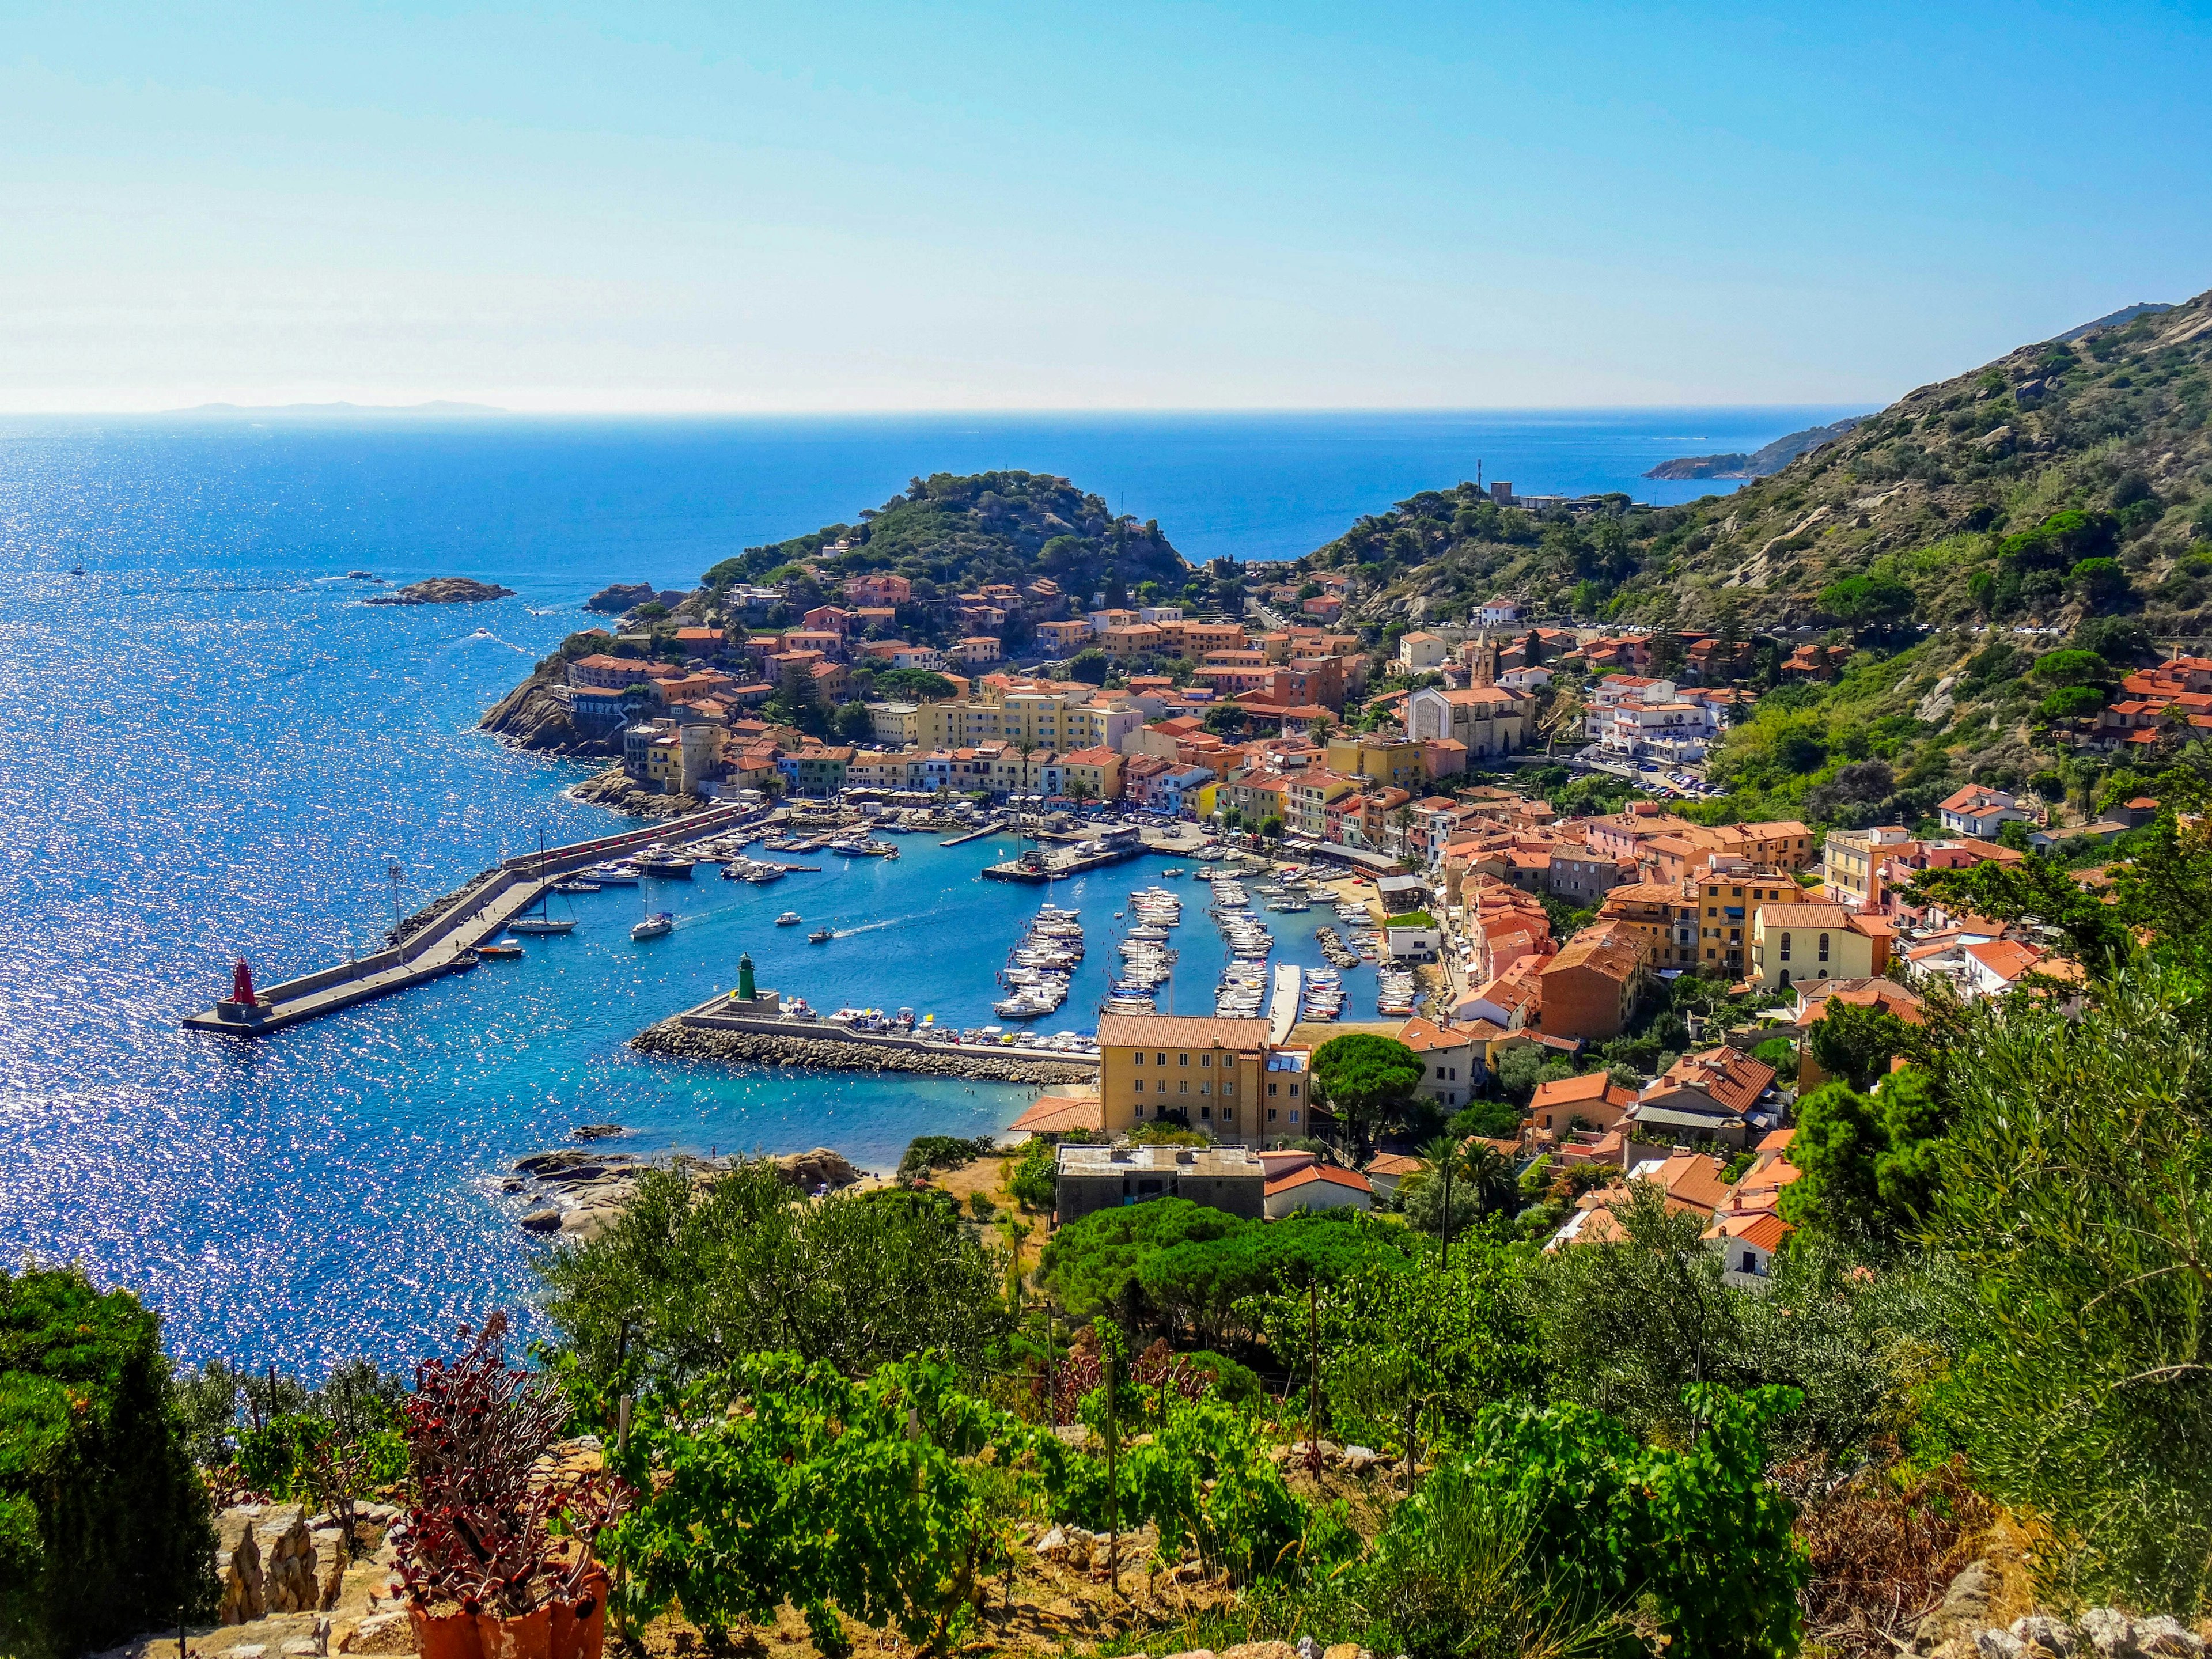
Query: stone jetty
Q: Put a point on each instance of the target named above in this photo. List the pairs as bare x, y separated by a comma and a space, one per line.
678, 1039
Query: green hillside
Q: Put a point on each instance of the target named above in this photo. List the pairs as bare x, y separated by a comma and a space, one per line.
1970, 542
950, 535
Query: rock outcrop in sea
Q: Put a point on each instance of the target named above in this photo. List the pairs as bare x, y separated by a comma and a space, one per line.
443, 590
618, 597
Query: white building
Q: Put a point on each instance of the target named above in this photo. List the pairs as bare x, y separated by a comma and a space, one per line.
1421, 650
1495, 613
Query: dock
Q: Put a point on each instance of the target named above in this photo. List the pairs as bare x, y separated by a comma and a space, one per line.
461, 921
1036, 868
1283, 1006
975, 835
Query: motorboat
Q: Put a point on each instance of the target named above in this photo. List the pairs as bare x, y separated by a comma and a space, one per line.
761, 874
789, 918
659, 922
575, 885
505, 950
464, 959
668, 867
612, 875
820, 936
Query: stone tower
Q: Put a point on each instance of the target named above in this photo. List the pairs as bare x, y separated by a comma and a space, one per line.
1482, 661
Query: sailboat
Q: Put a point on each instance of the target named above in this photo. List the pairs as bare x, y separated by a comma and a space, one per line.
544, 921
656, 923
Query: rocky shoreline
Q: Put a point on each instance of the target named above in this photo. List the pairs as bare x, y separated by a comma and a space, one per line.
579, 1194
534, 719
616, 791
676, 1040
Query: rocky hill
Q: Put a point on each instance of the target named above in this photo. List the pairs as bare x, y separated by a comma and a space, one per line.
1959, 491
949, 535
1772, 458
1995, 552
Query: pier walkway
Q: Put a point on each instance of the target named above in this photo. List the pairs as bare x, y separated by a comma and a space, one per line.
461, 921
1283, 1006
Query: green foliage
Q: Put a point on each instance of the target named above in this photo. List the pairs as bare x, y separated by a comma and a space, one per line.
1410, 918
693, 1278
1492, 1120
925, 1153
1869, 1162
1856, 1042
1365, 1079
1867, 601
1452, 1577
2074, 702
1034, 1181
1171, 1265
1698, 1530
1408, 1350
1523, 1065
2076, 667
1205, 1476
2075, 1187
104, 1525
912, 685
863, 1497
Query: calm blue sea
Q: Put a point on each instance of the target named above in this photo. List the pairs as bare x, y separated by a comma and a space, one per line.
208, 745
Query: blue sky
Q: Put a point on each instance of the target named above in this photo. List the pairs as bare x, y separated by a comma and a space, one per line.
836, 205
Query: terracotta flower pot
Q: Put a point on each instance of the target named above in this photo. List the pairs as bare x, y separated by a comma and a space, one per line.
452, 1636
582, 1635
530, 1636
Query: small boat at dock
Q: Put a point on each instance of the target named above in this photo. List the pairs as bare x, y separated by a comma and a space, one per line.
505, 950
612, 875
574, 884
464, 958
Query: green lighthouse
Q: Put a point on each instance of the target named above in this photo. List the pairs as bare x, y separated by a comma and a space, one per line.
745, 991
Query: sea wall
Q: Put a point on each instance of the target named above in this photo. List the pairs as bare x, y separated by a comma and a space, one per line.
679, 1041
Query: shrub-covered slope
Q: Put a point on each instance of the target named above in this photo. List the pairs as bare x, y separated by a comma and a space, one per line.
958, 534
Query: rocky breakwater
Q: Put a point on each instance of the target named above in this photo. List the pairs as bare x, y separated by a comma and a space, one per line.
828, 1052
579, 1194
442, 590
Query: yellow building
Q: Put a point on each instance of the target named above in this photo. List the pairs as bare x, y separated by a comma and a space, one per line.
1400, 762
896, 723
1725, 898
1792, 944
1207, 1072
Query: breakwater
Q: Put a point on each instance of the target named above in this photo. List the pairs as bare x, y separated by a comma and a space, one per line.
434, 939
771, 1041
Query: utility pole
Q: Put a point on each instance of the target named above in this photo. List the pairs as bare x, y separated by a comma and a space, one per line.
394, 874
1113, 1489
1313, 1374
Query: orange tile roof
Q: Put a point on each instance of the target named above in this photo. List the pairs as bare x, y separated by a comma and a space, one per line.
1058, 1114
1323, 1172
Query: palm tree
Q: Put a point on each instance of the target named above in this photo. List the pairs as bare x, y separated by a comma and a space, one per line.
1446, 1158
1490, 1173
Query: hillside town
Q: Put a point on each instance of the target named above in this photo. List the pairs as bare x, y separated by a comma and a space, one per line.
1549, 943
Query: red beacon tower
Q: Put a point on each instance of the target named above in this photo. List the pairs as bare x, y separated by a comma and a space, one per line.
241, 984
